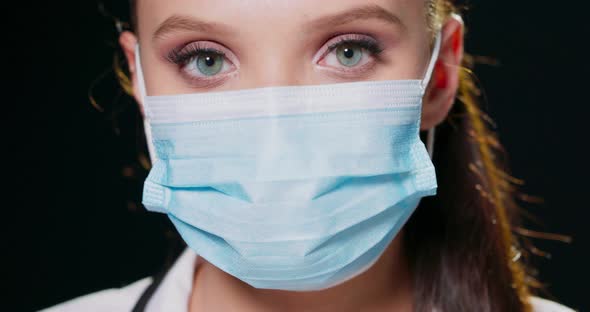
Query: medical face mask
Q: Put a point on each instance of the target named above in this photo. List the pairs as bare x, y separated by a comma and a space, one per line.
295, 188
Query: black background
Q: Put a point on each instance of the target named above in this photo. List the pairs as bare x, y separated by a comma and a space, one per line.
68, 228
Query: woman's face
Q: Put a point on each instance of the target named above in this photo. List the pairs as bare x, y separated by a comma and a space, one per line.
190, 46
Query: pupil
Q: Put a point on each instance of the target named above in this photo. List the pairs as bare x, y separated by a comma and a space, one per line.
349, 53
209, 61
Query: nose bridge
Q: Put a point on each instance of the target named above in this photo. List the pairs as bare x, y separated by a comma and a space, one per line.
274, 61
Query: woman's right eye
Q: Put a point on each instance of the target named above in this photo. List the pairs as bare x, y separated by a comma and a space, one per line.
201, 60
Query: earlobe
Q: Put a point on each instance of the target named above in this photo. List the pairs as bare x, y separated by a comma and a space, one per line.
128, 42
443, 87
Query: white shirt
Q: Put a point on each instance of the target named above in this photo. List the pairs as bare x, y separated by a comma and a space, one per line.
173, 294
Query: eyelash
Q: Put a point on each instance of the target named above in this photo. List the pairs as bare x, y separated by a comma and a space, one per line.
371, 45
183, 55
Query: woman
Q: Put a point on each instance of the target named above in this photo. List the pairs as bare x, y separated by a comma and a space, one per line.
287, 151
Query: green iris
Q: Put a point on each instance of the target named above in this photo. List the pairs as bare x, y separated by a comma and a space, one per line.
349, 54
210, 64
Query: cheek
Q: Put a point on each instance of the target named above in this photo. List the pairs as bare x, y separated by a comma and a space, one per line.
407, 60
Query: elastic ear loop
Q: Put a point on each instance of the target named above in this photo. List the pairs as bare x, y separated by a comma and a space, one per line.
142, 94
425, 81
430, 141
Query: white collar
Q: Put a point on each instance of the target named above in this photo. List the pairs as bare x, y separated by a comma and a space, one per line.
173, 294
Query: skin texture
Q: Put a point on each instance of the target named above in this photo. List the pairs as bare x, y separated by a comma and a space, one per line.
278, 43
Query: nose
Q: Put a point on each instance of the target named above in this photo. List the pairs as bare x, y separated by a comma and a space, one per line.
276, 66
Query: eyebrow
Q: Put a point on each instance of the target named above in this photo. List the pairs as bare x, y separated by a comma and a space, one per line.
183, 22
355, 14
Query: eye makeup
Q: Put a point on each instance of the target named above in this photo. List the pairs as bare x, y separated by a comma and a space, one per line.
185, 56
369, 44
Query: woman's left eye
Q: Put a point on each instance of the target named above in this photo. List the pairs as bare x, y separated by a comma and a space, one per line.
347, 54
206, 64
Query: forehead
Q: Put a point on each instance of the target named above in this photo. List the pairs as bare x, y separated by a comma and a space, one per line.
269, 15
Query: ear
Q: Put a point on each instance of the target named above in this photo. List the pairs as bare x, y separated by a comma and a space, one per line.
128, 42
442, 88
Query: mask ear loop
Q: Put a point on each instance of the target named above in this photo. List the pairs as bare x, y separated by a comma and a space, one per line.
425, 81
430, 141
143, 95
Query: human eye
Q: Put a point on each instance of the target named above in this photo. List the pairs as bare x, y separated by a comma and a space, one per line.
350, 54
202, 62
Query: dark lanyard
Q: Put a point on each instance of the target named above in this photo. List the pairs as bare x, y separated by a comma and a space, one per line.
147, 294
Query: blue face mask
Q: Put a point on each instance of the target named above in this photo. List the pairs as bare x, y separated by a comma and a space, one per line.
295, 188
